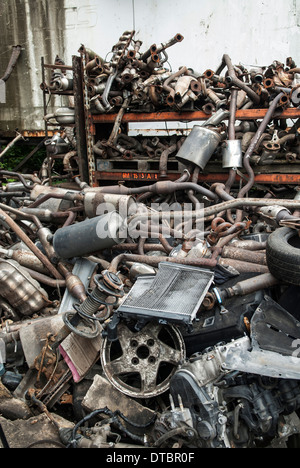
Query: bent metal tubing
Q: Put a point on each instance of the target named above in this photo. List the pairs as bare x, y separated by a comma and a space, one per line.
162, 187
20, 233
252, 146
155, 260
214, 209
233, 79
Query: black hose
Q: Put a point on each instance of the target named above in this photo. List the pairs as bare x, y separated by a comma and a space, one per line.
174, 432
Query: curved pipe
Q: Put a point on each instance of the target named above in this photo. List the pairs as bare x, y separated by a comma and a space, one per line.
221, 191
163, 163
53, 283
98, 106
153, 95
59, 196
166, 85
183, 178
220, 207
105, 94
20, 233
251, 148
163, 187
27, 187
233, 79
99, 149
67, 159
155, 260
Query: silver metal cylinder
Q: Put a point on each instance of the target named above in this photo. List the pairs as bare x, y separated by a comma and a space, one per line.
232, 154
199, 146
97, 203
65, 115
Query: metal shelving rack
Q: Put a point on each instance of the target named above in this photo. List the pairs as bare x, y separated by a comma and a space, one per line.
87, 126
287, 174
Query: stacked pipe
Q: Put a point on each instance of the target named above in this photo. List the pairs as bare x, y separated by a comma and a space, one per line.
147, 77
152, 85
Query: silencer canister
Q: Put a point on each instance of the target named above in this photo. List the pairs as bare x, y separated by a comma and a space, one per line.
199, 146
89, 236
232, 154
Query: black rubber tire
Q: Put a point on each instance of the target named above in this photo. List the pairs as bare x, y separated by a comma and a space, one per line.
283, 258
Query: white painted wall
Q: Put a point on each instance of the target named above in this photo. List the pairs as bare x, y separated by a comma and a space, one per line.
251, 31
254, 32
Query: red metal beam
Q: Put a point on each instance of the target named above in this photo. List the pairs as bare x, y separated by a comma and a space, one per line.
272, 179
247, 114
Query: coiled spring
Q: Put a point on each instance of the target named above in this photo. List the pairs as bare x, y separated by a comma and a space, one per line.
83, 321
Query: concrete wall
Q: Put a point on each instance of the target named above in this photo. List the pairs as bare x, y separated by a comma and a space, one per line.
254, 32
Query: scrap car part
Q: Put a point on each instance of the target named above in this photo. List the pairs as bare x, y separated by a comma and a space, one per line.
283, 255
232, 154
96, 204
83, 269
193, 385
20, 290
89, 236
97, 436
141, 363
159, 297
7, 220
12, 62
233, 408
10, 67
199, 146
83, 321
173, 425
274, 338
214, 326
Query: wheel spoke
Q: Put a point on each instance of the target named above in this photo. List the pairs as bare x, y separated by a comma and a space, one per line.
124, 336
169, 354
119, 366
148, 379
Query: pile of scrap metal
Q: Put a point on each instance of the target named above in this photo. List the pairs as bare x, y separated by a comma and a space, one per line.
158, 315
145, 81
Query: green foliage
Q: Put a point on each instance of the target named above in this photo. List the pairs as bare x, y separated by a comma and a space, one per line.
17, 153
